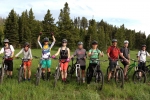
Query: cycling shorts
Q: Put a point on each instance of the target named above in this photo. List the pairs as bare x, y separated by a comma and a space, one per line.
46, 63
64, 65
27, 63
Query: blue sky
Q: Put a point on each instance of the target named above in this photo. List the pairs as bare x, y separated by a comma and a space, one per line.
133, 13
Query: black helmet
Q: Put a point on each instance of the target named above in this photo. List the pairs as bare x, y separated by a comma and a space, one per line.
27, 44
114, 40
143, 45
6, 41
80, 43
64, 41
94, 42
46, 39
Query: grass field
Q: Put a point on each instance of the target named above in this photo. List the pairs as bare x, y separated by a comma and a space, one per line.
11, 90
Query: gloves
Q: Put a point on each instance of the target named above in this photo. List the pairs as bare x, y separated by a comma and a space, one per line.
68, 60
53, 56
52, 33
40, 33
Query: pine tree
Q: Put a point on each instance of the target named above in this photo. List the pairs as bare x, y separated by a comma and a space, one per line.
11, 28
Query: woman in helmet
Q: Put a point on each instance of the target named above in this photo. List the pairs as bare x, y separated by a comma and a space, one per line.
64, 58
80, 53
8, 51
27, 56
46, 61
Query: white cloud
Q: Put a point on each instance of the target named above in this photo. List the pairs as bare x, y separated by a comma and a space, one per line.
133, 13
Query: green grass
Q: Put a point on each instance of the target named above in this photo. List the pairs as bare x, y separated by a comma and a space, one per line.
11, 90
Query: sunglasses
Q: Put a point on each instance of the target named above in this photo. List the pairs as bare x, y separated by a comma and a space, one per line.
64, 42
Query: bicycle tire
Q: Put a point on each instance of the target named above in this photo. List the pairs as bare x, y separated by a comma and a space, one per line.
99, 80
138, 79
119, 77
79, 76
87, 73
20, 74
57, 74
2, 75
38, 76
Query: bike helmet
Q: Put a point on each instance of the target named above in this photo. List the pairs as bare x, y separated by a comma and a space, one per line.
114, 40
46, 39
126, 42
94, 42
80, 43
6, 41
64, 41
143, 45
27, 44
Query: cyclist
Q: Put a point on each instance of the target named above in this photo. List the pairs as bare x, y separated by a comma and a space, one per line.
113, 53
8, 51
81, 54
64, 59
27, 56
94, 53
46, 61
126, 53
142, 57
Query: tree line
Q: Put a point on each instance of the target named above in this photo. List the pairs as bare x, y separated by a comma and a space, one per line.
21, 28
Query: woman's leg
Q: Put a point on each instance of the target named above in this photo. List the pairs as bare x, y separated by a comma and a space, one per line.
25, 70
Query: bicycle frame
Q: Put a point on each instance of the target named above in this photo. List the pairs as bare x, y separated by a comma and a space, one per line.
131, 66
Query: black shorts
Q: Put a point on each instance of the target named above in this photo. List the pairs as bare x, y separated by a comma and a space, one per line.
112, 65
125, 63
9, 64
142, 66
82, 67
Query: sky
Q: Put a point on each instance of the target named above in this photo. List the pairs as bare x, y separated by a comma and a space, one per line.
134, 14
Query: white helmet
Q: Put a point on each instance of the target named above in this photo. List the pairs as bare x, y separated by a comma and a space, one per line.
126, 41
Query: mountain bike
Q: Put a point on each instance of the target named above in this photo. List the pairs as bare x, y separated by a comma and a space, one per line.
57, 71
99, 78
21, 69
117, 74
136, 78
38, 72
3, 70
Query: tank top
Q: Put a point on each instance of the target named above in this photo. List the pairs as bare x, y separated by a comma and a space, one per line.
63, 53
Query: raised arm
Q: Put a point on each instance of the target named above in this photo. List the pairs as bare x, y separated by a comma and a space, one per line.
39, 40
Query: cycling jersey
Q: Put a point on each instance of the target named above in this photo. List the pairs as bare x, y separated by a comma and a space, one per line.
114, 52
26, 54
95, 55
7, 52
81, 53
142, 54
46, 50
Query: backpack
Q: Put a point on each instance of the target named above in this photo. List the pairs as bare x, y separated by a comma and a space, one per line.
141, 52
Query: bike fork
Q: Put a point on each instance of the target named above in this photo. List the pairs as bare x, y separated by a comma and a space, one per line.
77, 67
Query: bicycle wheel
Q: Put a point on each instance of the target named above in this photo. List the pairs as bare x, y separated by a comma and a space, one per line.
20, 73
87, 73
99, 80
57, 75
79, 75
139, 76
1, 75
38, 76
119, 77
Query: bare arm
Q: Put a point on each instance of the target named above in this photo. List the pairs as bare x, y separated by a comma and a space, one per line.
57, 52
39, 38
108, 55
54, 40
68, 53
